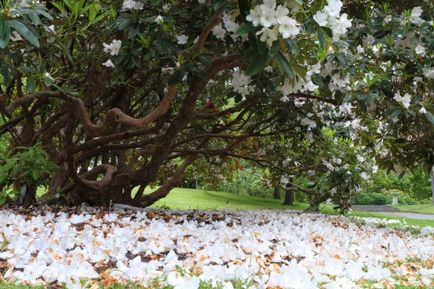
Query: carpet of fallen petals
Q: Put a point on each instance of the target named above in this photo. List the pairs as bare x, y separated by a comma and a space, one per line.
183, 249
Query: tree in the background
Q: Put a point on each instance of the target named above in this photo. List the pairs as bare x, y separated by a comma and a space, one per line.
124, 94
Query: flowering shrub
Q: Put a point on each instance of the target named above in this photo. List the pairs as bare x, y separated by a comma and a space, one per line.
128, 93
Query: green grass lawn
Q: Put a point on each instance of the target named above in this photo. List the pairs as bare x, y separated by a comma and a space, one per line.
181, 198
425, 208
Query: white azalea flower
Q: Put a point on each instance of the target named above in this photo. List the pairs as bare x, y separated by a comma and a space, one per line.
428, 72
132, 5
159, 19
230, 25
268, 17
109, 64
415, 18
219, 32
420, 50
404, 100
288, 27
240, 83
113, 48
422, 110
267, 35
15, 36
281, 13
333, 8
269, 4
321, 18
182, 39
255, 16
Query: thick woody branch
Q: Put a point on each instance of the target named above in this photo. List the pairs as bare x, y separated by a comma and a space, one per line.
115, 116
162, 191
97, 185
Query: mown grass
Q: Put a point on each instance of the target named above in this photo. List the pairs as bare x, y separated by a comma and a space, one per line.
182, 198
424, 209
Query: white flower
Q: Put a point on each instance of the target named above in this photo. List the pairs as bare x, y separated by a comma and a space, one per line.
333, 8
109, 64
132, 5
15, 36
288, 27
281, 13
255, 15
345, 108
267, 35
422, 110
201, 1
113, 48
388, 18
50, 28
428, 72
268, 17
321, 18
159, 19
230, 25
182, 39
404, 100
269, 4
240, 83
340, 26
364, 176
420, 50
415, 18
219, 32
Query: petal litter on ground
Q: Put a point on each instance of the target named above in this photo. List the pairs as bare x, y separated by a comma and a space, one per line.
271, 249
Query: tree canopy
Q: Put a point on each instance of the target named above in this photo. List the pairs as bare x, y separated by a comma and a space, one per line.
115, 95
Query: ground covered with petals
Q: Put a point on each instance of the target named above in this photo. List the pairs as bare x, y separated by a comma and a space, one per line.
205, 249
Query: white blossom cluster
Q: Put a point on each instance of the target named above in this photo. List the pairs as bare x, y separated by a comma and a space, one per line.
113, 49
132, 5
415, 18
271, 248
300, 85
241, 83
274, 20
330, 17
405, 100
228, 26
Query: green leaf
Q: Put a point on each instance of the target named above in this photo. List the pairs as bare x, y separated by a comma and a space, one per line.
176, 77
123, 22
430, 116
257, 64
300, 70
5, 33
285, 65
322, 37
25, 32
273, 50
244, 29
34, 18
292, 46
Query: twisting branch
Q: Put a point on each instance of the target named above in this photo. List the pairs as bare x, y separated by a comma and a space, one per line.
97, 185
115, 115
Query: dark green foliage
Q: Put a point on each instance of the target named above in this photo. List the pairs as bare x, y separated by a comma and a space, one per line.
372, 199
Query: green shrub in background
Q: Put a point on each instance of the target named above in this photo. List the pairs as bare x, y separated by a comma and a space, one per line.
372, 198
414, 184
30, 165
248, 181
383, 198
